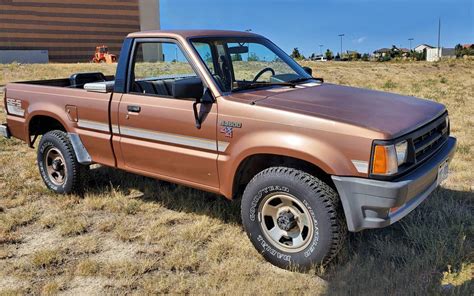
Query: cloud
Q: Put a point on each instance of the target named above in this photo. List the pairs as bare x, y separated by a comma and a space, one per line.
360, 40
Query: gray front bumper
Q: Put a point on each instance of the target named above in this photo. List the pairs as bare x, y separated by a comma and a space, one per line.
367, 202
4, 131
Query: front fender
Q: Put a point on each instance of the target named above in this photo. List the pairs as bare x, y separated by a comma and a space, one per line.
310, 149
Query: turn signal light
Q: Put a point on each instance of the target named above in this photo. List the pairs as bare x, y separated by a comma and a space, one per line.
384, 160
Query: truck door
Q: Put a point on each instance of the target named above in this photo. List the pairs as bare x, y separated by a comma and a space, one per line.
158, 135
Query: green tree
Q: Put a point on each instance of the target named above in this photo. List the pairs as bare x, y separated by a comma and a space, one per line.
253, 57
395, 52
237, 57
365, 57
459, 50
296, 54
329, 55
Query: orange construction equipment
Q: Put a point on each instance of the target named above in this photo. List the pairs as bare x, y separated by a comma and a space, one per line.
102, 55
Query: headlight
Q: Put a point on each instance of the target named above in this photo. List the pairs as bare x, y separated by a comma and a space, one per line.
401, 149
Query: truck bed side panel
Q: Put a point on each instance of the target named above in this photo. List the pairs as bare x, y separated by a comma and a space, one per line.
91, 124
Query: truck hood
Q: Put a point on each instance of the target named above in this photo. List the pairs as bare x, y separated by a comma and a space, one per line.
389, 113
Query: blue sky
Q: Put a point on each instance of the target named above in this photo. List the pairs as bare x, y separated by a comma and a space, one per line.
367, 24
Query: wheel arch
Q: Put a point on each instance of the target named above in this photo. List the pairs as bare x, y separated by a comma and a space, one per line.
255, 163
41, 123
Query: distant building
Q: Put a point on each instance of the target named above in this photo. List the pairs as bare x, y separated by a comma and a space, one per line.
433, 54
382, 52
70, 30
422, 47
466, 46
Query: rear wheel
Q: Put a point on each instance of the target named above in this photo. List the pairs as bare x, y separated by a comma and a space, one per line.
58, 165
292, 218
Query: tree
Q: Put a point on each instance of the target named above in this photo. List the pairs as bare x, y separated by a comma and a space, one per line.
296, 54
459, 50
395, 52
253, 57
237, 57
329, 55
365, 57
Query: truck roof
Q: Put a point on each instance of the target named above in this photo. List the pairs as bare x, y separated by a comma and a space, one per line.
191, 33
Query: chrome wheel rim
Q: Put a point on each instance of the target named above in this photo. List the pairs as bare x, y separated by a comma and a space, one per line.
286, 222
55, 166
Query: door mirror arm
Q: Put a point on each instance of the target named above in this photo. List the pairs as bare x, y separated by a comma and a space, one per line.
206, 100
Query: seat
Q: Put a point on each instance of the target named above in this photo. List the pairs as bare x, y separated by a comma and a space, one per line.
146, 87
160, 88
226, 78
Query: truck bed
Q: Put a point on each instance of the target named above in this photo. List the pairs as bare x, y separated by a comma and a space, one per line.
77, 80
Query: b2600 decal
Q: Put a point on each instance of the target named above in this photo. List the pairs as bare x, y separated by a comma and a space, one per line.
14, 107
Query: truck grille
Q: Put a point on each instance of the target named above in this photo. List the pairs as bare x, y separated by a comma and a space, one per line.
432, 137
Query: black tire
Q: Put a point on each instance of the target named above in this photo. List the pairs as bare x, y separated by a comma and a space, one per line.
74, 173
322, 206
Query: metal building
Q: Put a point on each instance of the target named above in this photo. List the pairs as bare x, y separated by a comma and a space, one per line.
71, 29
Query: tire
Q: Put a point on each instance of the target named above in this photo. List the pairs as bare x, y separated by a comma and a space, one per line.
58, 165
301, 210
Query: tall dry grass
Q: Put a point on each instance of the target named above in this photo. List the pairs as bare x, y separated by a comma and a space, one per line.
135, 235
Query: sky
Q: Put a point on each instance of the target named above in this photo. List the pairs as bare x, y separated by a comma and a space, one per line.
366, 24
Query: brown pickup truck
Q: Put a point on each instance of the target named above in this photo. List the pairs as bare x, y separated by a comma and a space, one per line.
231, 113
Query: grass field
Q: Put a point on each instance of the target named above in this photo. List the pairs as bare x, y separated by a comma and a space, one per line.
134, 235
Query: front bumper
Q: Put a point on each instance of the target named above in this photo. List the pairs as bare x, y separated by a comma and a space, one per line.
4, 131
367, 202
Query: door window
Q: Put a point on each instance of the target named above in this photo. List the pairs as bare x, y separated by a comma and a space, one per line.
156, 65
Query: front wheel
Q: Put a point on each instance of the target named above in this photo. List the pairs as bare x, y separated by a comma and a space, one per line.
292, 218
58, 165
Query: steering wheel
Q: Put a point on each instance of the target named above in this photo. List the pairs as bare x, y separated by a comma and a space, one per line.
261, 73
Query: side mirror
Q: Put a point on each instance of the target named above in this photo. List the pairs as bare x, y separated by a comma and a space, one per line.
188, 88
308, 70
207, 97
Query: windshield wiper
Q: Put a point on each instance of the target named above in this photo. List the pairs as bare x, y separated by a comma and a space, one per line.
301, 79
262, 84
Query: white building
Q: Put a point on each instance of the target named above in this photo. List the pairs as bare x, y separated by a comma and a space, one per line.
433, 54
422, 47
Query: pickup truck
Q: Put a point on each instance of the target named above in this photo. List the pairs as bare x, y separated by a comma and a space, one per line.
231, 113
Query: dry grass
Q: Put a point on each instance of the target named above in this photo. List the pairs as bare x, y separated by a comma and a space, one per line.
135, 235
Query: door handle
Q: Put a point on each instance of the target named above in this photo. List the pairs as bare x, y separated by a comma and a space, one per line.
134, 108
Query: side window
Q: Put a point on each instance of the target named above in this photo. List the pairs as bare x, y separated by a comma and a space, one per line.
156, 66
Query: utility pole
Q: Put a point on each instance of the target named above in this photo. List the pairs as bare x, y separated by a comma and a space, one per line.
321, 49
439, 38
410, 39
341, 35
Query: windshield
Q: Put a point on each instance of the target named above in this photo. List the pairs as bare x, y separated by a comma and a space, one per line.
240, 63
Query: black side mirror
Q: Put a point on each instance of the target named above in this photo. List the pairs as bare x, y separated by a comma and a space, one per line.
206, 101
188, 88
308, 70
